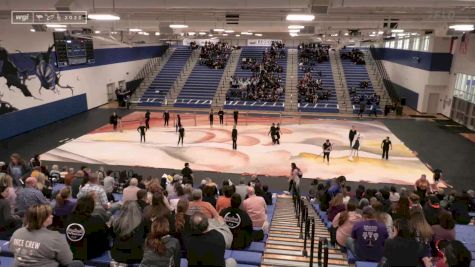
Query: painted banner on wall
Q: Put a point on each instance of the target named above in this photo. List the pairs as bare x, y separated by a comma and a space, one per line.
200, 42
261, 42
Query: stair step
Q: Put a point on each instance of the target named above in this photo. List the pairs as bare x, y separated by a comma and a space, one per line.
301, 258
290, 252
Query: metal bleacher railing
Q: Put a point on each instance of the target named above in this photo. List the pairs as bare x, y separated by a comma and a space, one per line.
383, 77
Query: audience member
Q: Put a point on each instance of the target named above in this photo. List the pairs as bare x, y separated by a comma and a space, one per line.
422, 230
109, 184
17, 169
87, 234
239, 222
267, 195
336, 206
241, 188
29, 196
368, 237
432, 209
256, 207
7, 181
130, 192
180, 224
445, 229
142, 199
161, 249
103, 207
206, 247
128, 231
35, 245
68, 178
344, 222
402, 209
460, 208
454, 253
224, 201
8, 222
157, 210
383, 217
78, 180
197, 204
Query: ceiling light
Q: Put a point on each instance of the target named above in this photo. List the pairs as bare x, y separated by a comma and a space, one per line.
462, 27
218, 30
225, 34
397, 30
372, 35
291, 27
202, 33
210, 35
380, 32
334, 35
146, 33
237, 35
157, 33
414, 33
228, 31
103, 17
60, 29
346, 34
246, 33
141, 33
191, 33
293, 34
135, 30
55, 26
32, 30
97, 32
178, 26
113, 32
258, 34
214, 38
300, 17
401, 34
294, 30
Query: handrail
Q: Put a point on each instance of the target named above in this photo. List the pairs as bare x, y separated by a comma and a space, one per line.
384, 75
312, 241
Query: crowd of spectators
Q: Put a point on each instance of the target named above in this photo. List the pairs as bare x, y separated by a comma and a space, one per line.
265, 83
310, 88
214, 55
312, 53
355, 55
406, 227
158, 220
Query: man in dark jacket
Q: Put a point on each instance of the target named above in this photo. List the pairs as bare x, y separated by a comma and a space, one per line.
238, 222
234, 136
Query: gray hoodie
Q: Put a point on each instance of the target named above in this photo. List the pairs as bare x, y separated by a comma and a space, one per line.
40, 248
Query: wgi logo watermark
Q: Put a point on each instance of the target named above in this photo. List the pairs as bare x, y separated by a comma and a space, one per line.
49, 17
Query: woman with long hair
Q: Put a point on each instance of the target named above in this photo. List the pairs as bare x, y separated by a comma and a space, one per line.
45, 247
129, 234
87, 234
63, 208
344, 221
402, 209
383, 216
294, 179
17, 169
7, 181
422, 230
445, 229
8, 223
336, 206
180, 193
158, 208
161, 249
180, 223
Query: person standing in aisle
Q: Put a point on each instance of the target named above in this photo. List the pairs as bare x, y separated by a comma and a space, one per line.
385, 145
211, 118
114, 120
166, 118
352, 135
178, 122
221, 116
142, 129
181, 135
234, 135
147, 119
277, 134
362, 109
235, 115
272, 133
327, 148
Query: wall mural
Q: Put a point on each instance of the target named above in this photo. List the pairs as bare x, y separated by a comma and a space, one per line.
37, 66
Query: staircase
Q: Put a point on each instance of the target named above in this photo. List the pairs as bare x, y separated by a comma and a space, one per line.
285, 244
341, 88
224, 84
376, 79
291, 91
148, 73
182, 78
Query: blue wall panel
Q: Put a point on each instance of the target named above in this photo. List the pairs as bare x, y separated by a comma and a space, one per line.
21, 121
412, 98
416, 59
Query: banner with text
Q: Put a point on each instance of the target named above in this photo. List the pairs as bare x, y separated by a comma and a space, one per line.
261, 42
200, 42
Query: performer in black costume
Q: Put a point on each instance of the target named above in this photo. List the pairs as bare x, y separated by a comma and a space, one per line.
221, 116
385, 145
235, 115
352, 135
181, 135
178, 122
114, 118
234, 135
362, 109
147, 119
277, 134
355, 148
166, 117
272, 133
142, 129
211, 118
327, 148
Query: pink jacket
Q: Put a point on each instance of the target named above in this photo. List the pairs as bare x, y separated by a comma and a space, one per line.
256, 207
344, 231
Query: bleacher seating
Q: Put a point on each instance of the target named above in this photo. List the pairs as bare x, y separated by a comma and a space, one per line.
163, 82
330, 105
255, 52
200, 88
355, 74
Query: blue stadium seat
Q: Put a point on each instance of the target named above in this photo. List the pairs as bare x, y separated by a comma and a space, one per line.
366, 264
103, 260
256, 247
4, 249
351, 257
6, 261
246, 257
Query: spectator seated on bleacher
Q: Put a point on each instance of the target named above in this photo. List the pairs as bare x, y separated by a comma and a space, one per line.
161, 249
103, 207
197, 204
311, 53
8, 222
87, 234
344, 221
206, 247
194, 45
256, 207
453, 253
63, 207
368, 237
336, 206
215, 56
29, 196
128, 232
35, 245
224, 201
445, 229
355, 55
239, 222
364, 84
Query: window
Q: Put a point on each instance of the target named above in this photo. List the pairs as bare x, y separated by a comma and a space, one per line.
406, 44
415, 44
399, 43
386, 44
392, 44
425, 43
465, 87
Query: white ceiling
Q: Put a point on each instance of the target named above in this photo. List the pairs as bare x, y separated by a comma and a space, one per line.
263, 16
